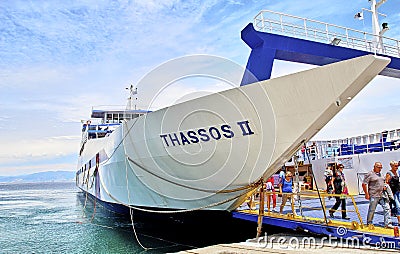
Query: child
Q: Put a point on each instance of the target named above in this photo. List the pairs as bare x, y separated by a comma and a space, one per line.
270, 191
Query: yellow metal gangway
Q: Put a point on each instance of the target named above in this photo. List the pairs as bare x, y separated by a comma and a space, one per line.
254, 201
307, 212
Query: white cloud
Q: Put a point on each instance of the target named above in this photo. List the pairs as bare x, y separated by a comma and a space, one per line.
186, 90
373, 110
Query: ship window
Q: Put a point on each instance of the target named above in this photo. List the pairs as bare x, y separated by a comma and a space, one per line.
101, 134
109, 117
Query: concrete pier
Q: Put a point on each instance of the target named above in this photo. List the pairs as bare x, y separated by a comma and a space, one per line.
284, 243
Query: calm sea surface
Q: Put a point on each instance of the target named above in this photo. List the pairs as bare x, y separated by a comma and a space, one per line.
53, 218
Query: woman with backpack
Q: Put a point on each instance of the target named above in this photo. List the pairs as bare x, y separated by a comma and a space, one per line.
392, 179
339, 187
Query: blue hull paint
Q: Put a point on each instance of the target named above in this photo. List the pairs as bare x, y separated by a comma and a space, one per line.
201, 217
115, 208
267, 46
320, 229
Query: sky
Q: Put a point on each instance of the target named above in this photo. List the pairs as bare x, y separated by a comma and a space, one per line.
60, 58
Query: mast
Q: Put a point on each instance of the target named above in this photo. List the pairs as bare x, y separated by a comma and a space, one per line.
130, 104
376, 30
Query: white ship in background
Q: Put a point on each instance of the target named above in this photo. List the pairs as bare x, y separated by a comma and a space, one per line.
211, 152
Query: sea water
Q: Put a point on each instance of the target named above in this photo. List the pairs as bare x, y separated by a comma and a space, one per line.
59, 218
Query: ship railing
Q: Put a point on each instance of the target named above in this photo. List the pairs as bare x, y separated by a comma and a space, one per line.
303, 28
101, 130
306, 202
371, 143
85, 137
109, 107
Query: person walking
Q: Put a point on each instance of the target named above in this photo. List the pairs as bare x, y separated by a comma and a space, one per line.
313, 151
373, 186
339, 187
270, 192
281, 175
392, 179
286, 190
303, 152
329, 180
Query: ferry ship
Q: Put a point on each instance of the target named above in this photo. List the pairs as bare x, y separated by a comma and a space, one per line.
213, 152
183, 158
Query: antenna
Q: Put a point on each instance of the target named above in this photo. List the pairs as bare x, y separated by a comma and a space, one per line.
132, 92
376, 30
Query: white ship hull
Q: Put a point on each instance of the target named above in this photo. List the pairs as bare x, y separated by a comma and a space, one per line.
209, 153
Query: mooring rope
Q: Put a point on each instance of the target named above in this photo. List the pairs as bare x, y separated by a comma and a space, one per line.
130, 210
94, 210
248, 186
86, 195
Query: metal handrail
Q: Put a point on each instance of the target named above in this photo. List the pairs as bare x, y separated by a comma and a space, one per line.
323, 32
386, 140
314, 195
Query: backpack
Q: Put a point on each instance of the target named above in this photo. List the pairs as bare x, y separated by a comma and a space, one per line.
338, 183
394, 182
269, 186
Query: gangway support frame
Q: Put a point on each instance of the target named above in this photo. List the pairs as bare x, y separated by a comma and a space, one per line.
265, 47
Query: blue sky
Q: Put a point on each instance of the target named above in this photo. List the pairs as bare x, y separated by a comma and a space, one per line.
60, 58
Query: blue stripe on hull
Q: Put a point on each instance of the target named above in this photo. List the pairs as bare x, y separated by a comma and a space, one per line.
192, 217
